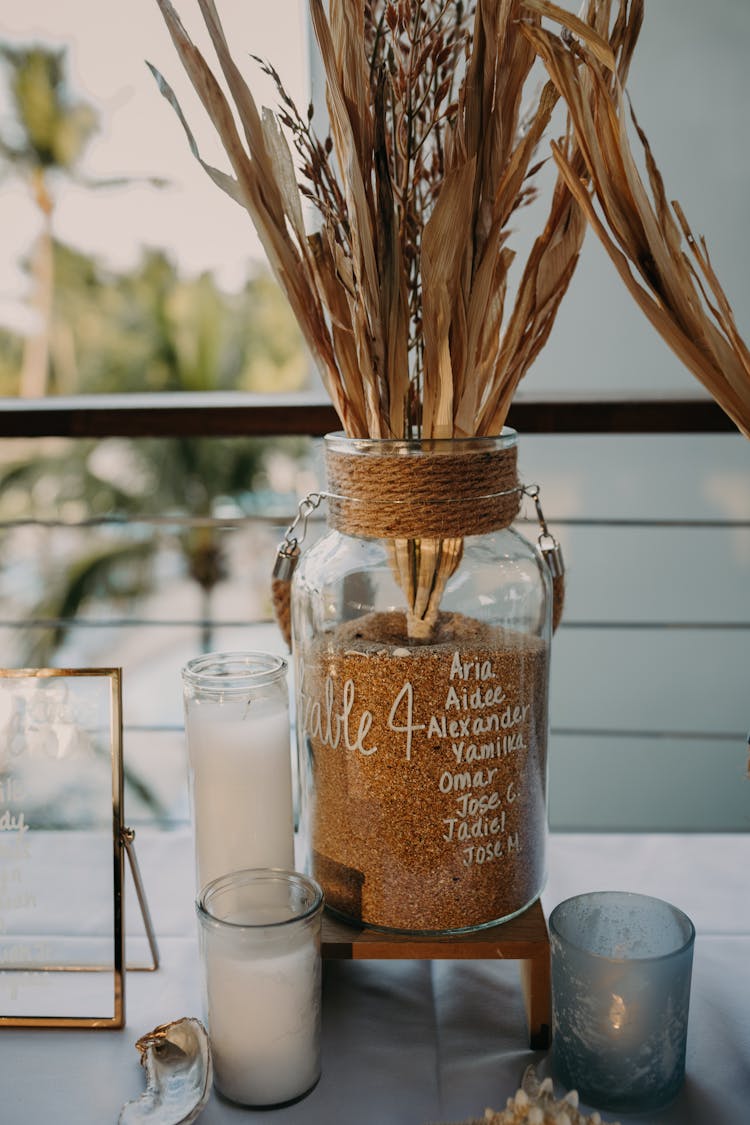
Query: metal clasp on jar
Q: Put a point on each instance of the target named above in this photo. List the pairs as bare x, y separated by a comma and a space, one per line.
549, 546
288, 552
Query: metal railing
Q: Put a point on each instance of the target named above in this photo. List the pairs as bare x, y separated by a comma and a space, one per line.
234, 415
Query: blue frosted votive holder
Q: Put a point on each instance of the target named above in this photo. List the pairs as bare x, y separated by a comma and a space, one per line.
621, 969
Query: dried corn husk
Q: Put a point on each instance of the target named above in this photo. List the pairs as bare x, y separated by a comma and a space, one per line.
664, 266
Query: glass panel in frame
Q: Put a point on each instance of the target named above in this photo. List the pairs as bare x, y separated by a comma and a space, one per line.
61, 848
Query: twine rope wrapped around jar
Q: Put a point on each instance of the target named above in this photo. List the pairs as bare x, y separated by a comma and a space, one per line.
423, 503
422, 494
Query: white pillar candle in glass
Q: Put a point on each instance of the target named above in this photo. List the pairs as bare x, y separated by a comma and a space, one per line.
260, 944
239, 751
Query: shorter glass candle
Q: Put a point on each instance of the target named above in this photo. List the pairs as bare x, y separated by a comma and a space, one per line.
260, 945
621, 969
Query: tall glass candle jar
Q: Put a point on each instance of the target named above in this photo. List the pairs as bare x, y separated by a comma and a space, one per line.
239, 752
260, 944
421, 628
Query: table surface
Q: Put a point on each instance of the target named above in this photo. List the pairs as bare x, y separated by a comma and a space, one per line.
415, 1042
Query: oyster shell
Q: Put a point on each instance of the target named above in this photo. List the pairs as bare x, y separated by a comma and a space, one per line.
177, 1058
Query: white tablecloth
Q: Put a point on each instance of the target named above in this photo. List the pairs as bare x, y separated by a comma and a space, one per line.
411, 1043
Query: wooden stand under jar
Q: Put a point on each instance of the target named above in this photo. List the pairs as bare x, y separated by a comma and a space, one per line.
524, 939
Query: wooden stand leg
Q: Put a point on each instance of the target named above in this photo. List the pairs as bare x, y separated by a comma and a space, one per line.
535, 982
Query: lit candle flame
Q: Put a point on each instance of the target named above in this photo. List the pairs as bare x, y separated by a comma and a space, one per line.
617, 1012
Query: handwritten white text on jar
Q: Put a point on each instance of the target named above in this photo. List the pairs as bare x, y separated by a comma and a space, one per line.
496, 849
470, 805
331, 726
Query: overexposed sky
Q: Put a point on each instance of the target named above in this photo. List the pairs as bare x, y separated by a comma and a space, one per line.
140, 135
690, 85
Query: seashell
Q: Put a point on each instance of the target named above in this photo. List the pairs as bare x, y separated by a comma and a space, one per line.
177, 1058
535, 1104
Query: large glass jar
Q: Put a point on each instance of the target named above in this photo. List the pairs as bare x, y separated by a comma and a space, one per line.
421, 628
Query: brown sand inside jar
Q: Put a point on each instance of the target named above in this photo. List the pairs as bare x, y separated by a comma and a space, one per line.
428, 770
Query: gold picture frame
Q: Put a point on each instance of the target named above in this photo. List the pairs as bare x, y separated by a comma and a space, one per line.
62, 848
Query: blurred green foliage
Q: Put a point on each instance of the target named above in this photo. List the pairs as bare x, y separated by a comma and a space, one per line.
151, 330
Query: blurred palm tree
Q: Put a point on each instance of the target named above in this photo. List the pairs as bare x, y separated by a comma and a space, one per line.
44, 138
